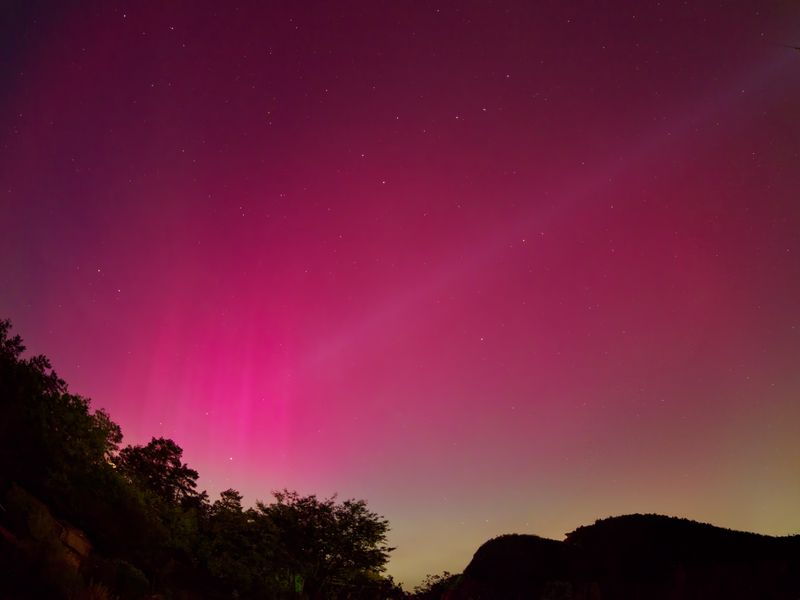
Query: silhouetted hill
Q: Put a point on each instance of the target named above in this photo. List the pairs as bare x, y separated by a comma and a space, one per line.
524, 562
642, 557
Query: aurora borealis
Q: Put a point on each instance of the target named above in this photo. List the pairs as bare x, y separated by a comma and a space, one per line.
491, 266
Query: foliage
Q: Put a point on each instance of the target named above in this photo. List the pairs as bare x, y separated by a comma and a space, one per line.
53, 429
328, 544
157, 467
151, 529
435, 586
127, 581
238, 547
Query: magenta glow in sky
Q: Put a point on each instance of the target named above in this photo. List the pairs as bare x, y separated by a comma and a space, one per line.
493, 267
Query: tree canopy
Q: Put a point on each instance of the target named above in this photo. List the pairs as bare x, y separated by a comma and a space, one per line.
327, 543
151, 529
158, 467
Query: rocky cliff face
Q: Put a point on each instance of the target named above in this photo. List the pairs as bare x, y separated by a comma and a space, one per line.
636, 557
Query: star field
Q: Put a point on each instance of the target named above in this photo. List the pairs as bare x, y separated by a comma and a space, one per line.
493, 267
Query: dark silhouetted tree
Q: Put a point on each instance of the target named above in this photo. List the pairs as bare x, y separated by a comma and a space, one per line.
230, 502
48, 436
147, 522
325, 545
158, 467
238, 548
434, 587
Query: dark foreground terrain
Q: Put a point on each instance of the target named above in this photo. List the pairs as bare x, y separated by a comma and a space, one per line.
82, 518
642, 557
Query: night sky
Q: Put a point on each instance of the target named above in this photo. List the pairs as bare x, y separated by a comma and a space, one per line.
491, 266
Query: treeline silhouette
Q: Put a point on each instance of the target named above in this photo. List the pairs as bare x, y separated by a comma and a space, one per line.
83, 518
